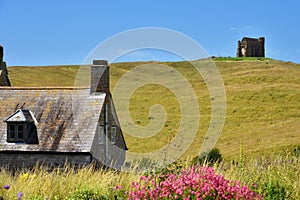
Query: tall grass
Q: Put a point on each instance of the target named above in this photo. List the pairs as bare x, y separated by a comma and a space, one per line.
273, 177
63, 184
261, 93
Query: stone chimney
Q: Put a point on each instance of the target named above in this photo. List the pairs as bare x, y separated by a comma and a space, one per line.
99, 76
1, 53
4, 80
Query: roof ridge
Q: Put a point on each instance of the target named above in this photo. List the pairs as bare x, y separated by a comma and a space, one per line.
44, 88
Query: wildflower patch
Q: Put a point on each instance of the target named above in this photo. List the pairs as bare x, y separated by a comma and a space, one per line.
195, 182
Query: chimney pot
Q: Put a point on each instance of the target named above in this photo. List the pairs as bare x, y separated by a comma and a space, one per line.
100, 62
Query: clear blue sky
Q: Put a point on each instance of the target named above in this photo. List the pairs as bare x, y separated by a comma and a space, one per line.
52, 32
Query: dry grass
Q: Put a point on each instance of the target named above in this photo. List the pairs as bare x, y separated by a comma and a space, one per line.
63, 184
263, 103
267, 175
275, 175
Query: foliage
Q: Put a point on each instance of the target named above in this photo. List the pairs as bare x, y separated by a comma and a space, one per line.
173, 168
65, 183
195, 182
296, 150
86, 193
142, 165
4, 195
210, 158
262, 109
272, 177
274, 191
239, 58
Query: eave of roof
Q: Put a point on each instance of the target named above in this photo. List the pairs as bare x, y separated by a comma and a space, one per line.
43, 88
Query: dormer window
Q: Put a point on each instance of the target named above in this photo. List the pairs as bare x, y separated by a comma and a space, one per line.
21, 128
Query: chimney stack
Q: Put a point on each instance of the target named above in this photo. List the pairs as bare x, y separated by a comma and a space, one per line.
4, 80
1, 53
99, 76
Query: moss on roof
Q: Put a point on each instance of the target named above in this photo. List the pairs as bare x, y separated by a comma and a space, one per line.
67, 118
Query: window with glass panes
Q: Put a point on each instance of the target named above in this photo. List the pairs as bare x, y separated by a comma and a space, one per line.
16, 132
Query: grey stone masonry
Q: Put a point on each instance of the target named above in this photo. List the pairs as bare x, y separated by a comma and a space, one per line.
251, 47
4, 81
99, 76
30, 159
1, 52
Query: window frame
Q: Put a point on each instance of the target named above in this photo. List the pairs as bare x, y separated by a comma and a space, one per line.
22, 132
113, 132
13, 135
101, 134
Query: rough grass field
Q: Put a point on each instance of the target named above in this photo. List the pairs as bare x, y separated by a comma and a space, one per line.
263, 103
274, 177
260, 142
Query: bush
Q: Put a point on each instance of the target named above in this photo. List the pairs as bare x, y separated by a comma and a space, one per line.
273, 191
296, 150
87, 193
210, 158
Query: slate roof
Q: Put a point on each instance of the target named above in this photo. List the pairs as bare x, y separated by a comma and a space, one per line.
67, 118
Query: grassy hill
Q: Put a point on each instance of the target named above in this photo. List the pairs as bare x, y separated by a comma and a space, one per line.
263, 103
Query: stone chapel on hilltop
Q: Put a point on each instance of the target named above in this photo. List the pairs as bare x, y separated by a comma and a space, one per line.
251, 47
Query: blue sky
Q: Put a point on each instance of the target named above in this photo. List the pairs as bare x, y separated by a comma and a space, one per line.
35, 32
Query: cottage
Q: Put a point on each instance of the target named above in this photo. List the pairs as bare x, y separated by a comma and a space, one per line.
55, 126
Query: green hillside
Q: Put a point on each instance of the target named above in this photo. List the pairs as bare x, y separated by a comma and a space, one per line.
263, 103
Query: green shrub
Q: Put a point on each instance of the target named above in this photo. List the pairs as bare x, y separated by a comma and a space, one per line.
210, 158
274, 191
296, 150
88, 193
239, 58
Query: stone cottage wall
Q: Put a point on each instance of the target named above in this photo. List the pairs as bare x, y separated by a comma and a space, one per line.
106, 152
30, 159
